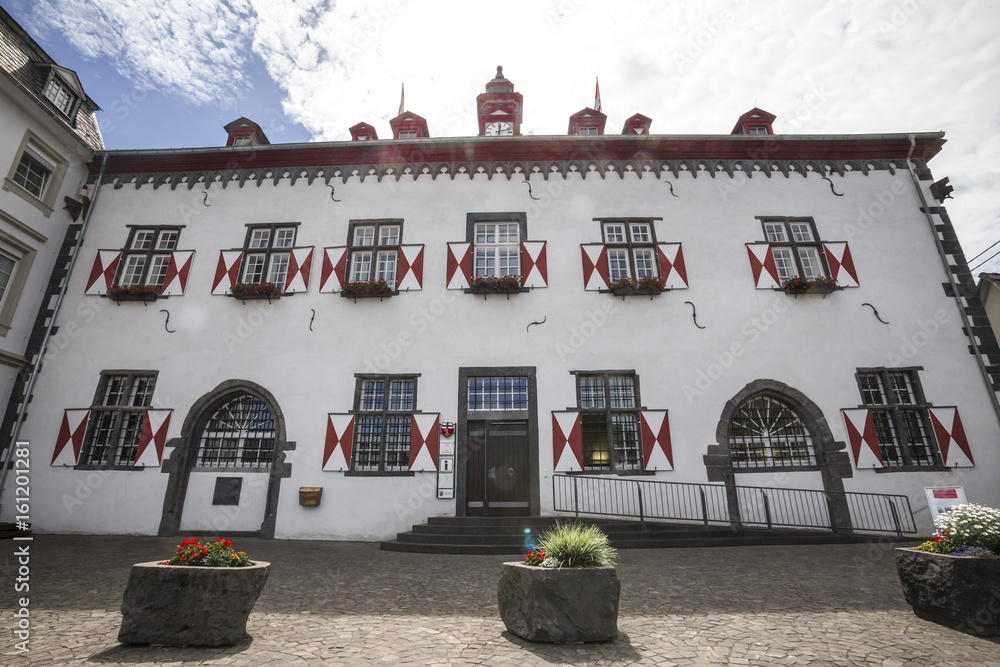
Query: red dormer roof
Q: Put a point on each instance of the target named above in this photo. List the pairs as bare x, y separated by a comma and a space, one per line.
363, 132
755, 118
244, 127
409, 122
637, 124
586, 118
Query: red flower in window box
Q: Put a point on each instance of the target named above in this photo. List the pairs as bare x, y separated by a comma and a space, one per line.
256, 291
364, 288
497, 283
134, 292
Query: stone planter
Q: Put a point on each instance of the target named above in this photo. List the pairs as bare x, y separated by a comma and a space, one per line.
961, 593
570, 604
189, 606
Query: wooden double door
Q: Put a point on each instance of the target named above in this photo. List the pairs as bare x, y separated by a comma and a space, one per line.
498, 473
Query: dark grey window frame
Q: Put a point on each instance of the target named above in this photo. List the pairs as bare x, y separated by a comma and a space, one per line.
150, 253
629, 246
520, 218
813, 465
792, 243
607, 410
359, 380
97, 406
269, 250
375, 248
895, 410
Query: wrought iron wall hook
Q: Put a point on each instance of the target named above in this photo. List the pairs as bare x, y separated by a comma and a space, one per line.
205, 200
533, 323
312, 318
530, 193
169, 330
671, 186
694, 315
331, 193
876, 313
831, 186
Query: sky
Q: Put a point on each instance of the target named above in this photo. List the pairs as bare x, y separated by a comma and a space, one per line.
171, 73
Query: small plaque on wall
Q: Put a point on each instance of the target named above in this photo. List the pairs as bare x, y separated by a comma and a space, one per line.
227, 490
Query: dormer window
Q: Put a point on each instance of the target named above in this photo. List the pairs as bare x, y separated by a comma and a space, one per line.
755, 122
407, 134
589, 130
756, 130
59, 94
242, 141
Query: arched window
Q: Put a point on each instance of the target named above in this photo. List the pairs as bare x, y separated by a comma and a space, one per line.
766, 433
239, 434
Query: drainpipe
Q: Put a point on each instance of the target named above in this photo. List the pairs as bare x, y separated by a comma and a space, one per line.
48, 330
951, 279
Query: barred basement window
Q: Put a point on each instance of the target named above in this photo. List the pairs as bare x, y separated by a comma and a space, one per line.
609, 420
239, 434
498, 393
899, 411
116, 419
384, 408
766, 433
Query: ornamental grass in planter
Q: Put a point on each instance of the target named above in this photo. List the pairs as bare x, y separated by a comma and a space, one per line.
566, 590
200, 597
954, 579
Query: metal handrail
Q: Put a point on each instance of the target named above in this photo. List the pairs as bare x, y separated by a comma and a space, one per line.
713, 503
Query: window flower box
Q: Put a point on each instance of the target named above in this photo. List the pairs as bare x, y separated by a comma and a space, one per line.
365, 289
496, 285
648, 286
821, 285
142, 293
244, 291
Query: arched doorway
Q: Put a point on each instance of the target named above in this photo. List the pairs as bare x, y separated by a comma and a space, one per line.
769, 427
226, 468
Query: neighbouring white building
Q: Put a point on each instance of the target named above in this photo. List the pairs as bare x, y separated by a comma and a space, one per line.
573, 307
49, 135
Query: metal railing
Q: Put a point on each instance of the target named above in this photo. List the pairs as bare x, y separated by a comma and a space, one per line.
838, 511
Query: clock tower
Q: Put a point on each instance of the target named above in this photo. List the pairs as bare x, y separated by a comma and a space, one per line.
499, 108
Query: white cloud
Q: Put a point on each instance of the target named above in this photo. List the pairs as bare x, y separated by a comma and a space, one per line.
193, 49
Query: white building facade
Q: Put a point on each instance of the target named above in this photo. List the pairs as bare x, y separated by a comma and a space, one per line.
621, 307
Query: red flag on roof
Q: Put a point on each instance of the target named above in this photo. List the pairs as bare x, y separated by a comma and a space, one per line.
597, 96
402, 100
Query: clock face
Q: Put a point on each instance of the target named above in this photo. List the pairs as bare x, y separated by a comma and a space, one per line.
499, 129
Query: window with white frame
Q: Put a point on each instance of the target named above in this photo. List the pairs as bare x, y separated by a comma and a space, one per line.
407, 134
32, 173
588, 130
383, 407
609, 420
8, 264
899, 412
796, 248
631, 248
59, 94
147, 255
374, 250
116, 418
16, 258
266, 253
497, 393
36, 172
497, 249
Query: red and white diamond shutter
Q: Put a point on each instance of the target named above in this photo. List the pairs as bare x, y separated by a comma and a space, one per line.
595, 267
227, 271
765, 272
951, 438
838, 257
534, 264
863, 439
175, 281
656, 451
300, 262
672, 268
334, 272
70, 439
102, 275
567, 441
459, 269
152, 438
424, 434
339, 438
410, 268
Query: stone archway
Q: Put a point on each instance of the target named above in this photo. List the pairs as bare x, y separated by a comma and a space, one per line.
185, 453
832, 460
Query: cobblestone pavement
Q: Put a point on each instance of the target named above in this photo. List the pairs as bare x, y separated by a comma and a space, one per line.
347, 603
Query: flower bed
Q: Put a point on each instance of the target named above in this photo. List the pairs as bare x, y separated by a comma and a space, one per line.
245, 291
